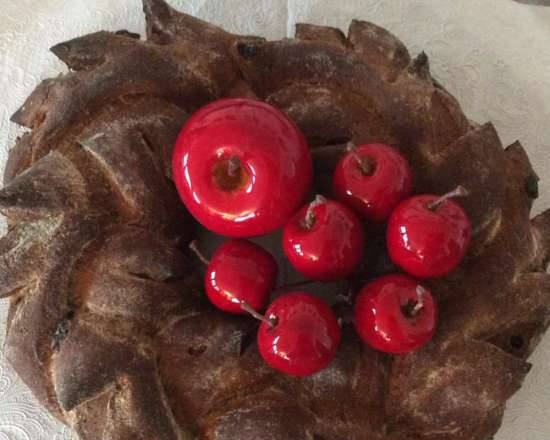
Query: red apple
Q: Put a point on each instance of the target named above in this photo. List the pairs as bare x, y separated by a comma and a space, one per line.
240, 276
241, 167
372, 179
428, 235
299, 335
395, 314
324, 240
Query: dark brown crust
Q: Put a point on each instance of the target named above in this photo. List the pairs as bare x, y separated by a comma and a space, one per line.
107, 324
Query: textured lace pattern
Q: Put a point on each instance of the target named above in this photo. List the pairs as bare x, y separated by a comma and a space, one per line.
491, 55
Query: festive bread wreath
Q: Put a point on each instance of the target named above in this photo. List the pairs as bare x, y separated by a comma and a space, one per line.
108, 324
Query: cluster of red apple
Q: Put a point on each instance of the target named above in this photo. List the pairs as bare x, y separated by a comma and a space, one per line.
243, 169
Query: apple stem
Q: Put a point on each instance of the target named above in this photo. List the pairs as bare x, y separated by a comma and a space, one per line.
309, 219
413, 307
195, 248
233, 166
366, 164
420, 292
459, 191
249, 309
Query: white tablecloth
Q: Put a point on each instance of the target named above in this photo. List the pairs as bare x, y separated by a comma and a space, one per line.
494, 55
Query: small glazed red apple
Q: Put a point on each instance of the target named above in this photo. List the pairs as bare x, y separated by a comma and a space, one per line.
395, 314
372, 179
324, 240
428, 235
299, 335
241, 167
240, 277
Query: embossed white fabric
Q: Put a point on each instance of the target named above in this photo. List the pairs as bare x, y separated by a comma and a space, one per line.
494, 55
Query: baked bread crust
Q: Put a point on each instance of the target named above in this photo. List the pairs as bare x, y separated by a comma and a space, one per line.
107, 324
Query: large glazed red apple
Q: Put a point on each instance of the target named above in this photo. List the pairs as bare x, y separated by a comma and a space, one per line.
241, 167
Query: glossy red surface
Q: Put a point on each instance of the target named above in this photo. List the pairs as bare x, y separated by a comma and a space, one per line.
381, 322
427, 243
275, 160
240, 271
305, 337
331, 249
373, 196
